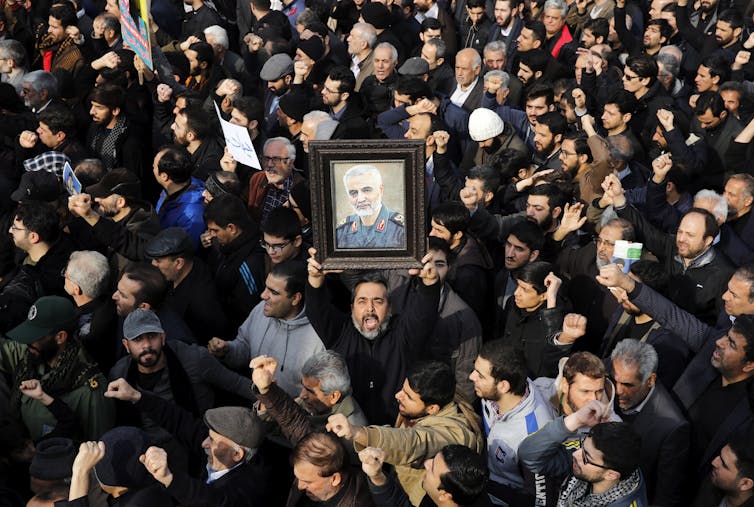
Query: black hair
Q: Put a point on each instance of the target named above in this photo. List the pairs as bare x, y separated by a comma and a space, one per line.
536, 60
507, 364
176, 163
652, 274
466, 478
109, 95
282, 222
433, 381
529, 233
600, 27
539, 30
153, 287
624, 100
65, 13
535, 273
452, 215
679, 178
471, 4
430, 24
555, 121
58, 118
718, 67
711, 229
580, 145
732, 17
742, 446
555, 197
489, 177
744, 325
345, 77
665, 29
204, 53
295, 275
227, 209
251, 107
40, 218
617, 441
434, 243
643, 66
416, 88
198, 121
538, 90
709, 100
368, 277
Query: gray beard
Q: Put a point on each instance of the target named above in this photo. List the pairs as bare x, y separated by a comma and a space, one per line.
600, 263
371, 335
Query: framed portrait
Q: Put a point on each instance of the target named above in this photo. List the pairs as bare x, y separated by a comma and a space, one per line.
368, 203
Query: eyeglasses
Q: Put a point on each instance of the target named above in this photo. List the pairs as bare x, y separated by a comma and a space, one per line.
585, 456
603, 242
325, 89
276, 248
276, 160
14, 228
629, 78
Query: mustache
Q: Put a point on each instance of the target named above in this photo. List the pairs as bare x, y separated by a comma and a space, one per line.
148, 351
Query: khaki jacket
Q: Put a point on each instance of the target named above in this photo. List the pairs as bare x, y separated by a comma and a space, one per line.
407, 447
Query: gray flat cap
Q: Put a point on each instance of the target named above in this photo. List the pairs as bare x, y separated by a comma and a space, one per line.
140, 322
277, 67
239, 424
415, 66
170, 241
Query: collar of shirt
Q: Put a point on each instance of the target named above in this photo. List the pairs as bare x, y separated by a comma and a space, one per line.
640, 406
337, 116
625, 172
213, 475
431, 13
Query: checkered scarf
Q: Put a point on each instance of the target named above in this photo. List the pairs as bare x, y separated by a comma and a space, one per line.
105, 142
576, 492
50, 161
275, 197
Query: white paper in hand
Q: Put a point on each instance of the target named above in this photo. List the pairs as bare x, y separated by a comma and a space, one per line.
239, 143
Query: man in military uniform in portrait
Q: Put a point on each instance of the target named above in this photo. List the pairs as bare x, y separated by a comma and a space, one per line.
373, 225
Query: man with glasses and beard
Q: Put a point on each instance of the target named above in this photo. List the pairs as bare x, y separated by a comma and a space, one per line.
43, 348
372, 225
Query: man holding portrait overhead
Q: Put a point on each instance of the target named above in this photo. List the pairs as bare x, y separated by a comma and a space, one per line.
372, 225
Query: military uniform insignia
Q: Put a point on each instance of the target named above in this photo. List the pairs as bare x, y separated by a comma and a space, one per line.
398, 218
93, 384
354, 226
381, 225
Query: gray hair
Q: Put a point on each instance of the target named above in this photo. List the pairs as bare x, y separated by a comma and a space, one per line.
219, 34
366, 32
13, 50
90, 271
42, 80
638, 354
316, 115
440, 46
670, 64
671, 50
361, 170
325, 129
330, 369
284, 140
747, 180
556, 4
393, 51
628, 233
495, 45
720, 210
504, 77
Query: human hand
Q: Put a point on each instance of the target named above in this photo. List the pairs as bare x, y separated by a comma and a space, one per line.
28, 139
187, 43
749, 42
338, 424
660, 167
316, 273
579, 98
428, 273
155, 460
218, 347
372, 459
253, 41
692, 100
613, 189
587, 124
111, 60
263, 372
33, 389
227, 162
613, 276
80, 205
742, 58
90, 453
574, 327
120, 389
469, 198
301, 68
552, 283
164, 93
589, 415
73, 32
572, 219
441, 138
665, 118
492, 84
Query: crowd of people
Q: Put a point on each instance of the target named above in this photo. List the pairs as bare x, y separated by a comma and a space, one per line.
169, 336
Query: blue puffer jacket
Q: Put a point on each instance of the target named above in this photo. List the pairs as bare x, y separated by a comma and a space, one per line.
184, 209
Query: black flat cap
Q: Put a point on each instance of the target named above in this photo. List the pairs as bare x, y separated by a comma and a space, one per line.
170, 241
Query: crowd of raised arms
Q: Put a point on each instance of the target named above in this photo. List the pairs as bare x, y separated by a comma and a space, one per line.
169, 335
